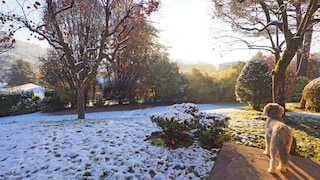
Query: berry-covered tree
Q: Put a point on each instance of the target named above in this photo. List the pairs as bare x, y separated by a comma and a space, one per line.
6, 42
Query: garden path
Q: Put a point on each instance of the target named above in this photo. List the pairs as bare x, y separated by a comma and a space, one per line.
243, 162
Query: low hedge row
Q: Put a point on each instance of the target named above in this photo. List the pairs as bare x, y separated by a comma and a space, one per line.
15, 103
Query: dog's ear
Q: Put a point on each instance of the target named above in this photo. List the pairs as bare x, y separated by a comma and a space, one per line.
281, 110
266, 109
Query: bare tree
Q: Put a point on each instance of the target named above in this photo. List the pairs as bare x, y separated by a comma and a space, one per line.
82, 32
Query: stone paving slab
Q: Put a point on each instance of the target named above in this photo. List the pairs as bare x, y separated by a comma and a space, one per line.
240, 162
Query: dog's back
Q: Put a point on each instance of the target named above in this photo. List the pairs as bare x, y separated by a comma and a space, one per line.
279, 135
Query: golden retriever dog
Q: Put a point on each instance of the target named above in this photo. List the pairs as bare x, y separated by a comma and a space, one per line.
277, 136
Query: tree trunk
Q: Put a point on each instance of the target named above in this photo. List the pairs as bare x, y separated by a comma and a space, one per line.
81, 102
279, 88
93, 97
302, 64
280, 70
303, 54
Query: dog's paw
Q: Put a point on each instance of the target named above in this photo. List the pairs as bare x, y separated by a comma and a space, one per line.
282, 169
270, 170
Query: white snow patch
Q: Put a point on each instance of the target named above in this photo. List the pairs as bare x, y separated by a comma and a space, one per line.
107, 145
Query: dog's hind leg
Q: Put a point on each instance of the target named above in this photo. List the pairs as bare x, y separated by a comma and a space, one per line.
273, 161
284, 158
284, 149
267, 150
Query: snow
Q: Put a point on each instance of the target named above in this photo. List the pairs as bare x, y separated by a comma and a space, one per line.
305, 114
107, 145
36, 89
180, 113
175, 115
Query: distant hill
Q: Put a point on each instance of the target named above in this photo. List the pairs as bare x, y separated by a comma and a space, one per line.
205, 67
26, 51
227, 65
202, 67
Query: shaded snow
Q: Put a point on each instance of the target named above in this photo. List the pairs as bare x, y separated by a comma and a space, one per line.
107, 145
142, 113
305, 114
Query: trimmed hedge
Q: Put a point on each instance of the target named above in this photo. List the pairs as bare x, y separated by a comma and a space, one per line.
311, 93
51, 102
16, 103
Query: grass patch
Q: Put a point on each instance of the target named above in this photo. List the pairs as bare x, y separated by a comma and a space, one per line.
293, 107
307, 135
247, 127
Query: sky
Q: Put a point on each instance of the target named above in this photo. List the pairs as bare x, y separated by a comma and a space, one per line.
186, 26
189, 28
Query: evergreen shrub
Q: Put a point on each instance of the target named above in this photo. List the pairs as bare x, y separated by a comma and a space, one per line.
211, 134
296, 93
99, 102
51, 102
184, 122
254, 84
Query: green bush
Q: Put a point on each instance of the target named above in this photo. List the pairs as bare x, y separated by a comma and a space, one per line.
175, 121
26, 105
211, 134
296, 93
7, 100
51, 102
254, 84
311, 93
16, 103
182, 123
99, 103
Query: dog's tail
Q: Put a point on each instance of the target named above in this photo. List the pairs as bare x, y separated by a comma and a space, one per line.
284, 158
285, 135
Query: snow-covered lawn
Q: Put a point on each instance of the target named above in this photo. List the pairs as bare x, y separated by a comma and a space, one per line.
107, 145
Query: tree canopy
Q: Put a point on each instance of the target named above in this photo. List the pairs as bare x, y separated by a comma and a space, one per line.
22, 72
